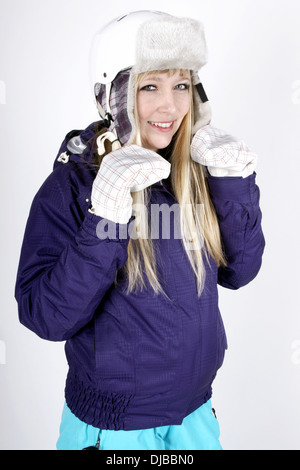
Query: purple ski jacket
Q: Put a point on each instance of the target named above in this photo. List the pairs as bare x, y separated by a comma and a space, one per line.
135, 360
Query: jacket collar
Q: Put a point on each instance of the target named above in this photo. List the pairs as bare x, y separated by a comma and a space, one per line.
78, 145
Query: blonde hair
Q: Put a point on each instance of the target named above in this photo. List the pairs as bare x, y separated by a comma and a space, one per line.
190, 189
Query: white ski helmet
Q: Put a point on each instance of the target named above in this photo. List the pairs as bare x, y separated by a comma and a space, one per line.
138, 42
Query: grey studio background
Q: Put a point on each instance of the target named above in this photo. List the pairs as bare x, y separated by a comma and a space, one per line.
253, 82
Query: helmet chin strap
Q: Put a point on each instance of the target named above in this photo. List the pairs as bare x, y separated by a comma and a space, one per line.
202, 93
111, 136
106, 116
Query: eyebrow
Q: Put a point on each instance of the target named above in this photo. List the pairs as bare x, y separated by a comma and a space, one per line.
158, 78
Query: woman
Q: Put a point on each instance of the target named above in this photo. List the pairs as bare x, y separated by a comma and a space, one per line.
111, 266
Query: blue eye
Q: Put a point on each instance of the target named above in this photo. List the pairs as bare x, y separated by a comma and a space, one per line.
183, 86
148, 88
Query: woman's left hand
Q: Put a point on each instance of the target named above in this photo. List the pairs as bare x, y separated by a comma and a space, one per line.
222, 154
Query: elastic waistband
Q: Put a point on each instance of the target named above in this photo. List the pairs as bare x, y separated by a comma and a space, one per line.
116, 411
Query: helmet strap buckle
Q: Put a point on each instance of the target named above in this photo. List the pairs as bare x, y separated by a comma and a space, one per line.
108, 119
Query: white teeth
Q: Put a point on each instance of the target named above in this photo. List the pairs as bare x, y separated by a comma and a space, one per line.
162, 124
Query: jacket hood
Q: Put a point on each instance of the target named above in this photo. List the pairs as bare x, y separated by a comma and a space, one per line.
78, 145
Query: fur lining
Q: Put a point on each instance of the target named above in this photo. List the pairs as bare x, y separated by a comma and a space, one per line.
130, 106
170, 43
202, 111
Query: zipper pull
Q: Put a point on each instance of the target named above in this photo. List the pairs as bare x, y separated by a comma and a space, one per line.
63, 158
95, 447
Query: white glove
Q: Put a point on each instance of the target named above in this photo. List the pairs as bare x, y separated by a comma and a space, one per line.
128, 169
223, 154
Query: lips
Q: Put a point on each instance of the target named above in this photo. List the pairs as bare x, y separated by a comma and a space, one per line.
162, 126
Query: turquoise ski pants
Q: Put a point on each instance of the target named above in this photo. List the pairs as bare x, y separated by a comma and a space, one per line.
198, 431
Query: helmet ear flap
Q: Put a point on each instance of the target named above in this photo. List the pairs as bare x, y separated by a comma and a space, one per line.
111, 101
131, 106
202, 108
105, 115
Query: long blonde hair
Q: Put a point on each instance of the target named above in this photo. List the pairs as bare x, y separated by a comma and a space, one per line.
190, 188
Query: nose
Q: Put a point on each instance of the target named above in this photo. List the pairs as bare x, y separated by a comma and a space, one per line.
167, 103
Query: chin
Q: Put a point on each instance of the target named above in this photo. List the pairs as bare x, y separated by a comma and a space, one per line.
158, 144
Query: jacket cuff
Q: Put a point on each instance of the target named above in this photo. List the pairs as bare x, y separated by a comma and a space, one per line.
232, 188
104, 229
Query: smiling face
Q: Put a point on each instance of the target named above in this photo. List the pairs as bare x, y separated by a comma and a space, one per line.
162, 102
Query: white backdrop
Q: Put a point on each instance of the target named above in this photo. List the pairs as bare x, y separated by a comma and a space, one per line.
253, 81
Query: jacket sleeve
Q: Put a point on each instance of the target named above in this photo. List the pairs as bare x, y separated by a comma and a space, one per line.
64, 269
236, 201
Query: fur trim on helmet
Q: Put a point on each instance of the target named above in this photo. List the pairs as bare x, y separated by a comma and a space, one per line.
170, 43
202, 109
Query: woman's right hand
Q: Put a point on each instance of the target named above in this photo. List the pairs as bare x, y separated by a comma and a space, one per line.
123, 171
